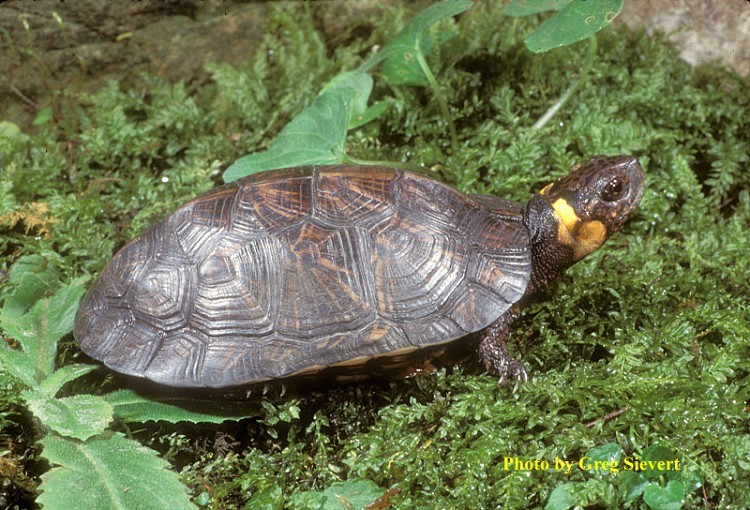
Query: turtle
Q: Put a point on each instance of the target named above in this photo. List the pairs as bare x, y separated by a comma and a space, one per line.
342, 273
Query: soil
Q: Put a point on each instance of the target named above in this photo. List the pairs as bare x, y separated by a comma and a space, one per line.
50, 46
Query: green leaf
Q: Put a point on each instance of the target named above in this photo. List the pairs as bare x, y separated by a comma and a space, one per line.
609, 452
671, 497
18, 364
11, 131
315, 136
360, 82
631, 484
691, 481
31, 277
576, 21
79, 416
131, 407
517, 8
43, 117
52, 384
39, 330
359, 112
352, 494
561, 498
108, 473
270, 498
656, 453
373, 112
402, 67
402, 55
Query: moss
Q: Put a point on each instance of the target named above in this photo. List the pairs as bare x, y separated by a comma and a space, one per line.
656, 322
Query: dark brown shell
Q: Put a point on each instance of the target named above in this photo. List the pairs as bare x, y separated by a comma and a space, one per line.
290, 271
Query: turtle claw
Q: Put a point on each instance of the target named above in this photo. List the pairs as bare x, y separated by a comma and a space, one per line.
509, 370
493, 352
519, 373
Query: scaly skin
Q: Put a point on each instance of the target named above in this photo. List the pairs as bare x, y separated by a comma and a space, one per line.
567, 220
493, 351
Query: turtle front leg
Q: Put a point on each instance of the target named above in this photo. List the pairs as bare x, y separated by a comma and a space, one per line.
493, 351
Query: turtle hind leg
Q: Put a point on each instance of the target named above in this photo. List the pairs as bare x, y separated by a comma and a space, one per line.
493, 351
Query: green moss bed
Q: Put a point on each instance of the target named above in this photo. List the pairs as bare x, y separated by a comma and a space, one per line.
640, 351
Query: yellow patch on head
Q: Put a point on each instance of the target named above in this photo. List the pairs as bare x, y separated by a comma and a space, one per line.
583, 237
545, 189
591, 235
566, 214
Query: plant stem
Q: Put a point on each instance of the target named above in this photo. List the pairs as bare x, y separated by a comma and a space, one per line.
539, 124
440, 98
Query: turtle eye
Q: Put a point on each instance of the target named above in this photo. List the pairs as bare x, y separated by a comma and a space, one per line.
613, 190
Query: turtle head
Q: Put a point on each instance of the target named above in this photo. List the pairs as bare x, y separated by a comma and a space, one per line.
573, 216
594, 200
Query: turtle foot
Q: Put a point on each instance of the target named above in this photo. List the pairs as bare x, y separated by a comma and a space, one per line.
506, 368
493, 352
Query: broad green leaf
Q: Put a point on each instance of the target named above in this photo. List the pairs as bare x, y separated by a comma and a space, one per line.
31, 277
671, 497
353, 494
402, 55
517, 8
656, 453
52, 384
79, 416
403, 66
631, 484
39, 330
561, 498
609, 452
360, 82
359, 112
270, 498
112, 473
315, 136
18, 363
131, 407
576, 21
